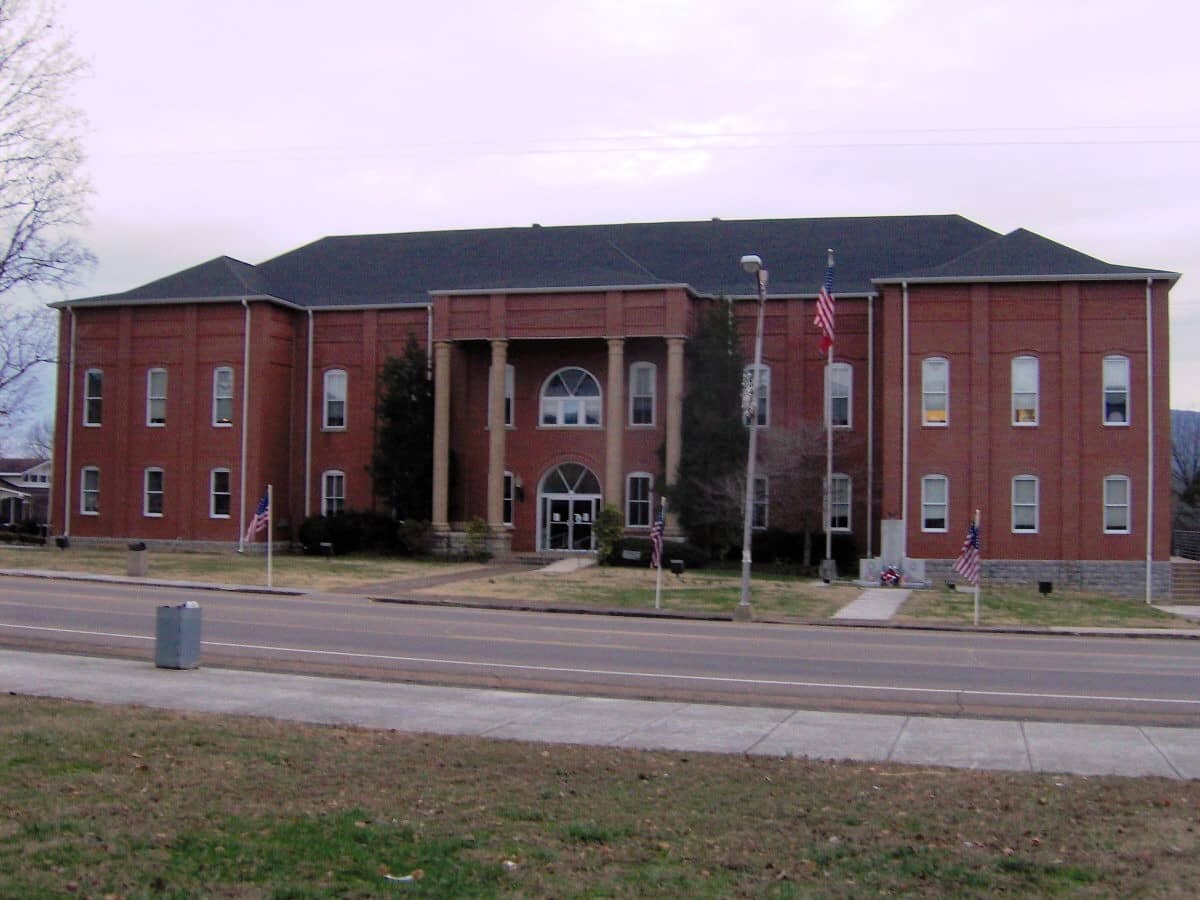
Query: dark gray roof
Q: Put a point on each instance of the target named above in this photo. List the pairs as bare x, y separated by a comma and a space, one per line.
1022, 254
355, 270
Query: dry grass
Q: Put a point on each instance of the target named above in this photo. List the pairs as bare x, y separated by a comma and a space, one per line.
117, 802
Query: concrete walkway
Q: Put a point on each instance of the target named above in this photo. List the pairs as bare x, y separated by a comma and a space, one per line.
874, 605
636, 724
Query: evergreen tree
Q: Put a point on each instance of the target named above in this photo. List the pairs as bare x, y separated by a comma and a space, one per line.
402, 465
709, 493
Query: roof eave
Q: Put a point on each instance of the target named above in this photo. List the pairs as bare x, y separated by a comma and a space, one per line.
171, 301
1009, 279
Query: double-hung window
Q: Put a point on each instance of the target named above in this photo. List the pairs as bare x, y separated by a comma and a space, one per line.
335, 400
1116, 390
93, 397
762, 497
639, 500
1025, 504
763, 404
1025, 390
506, 513
153, 505
935, 491
89, 491
641, 393
1116, 504
156, 397
839, 503
333, 493
222, 397
220, 496
839, 390
935, 391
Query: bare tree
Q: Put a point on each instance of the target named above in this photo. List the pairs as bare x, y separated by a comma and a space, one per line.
43, 192
1185, 468
39, 439
27, 340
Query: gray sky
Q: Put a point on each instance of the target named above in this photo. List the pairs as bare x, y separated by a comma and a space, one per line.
246, 127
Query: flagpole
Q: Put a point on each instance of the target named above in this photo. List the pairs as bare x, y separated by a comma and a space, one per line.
270, 532
978, 577
829, 441
658, 577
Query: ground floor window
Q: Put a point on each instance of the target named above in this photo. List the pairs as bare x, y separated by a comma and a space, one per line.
638, 500
333, 493
1116, 504
220, 496
839, 503
154, 493
762, 498
89, 491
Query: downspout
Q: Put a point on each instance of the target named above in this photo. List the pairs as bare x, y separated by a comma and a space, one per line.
67, 464
429, 340
245, 427
870, 419
308, 404
1149, 440
904, 431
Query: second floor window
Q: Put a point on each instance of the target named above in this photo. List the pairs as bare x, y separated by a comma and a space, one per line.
156, 397
223, 396
93, 397
935, 391
335, 399
571, 398
1116, 390
1025, 390
839, 388
641, 394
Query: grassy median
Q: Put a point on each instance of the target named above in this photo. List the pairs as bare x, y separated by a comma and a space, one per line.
126, 802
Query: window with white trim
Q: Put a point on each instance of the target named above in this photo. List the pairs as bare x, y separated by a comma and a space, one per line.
935, 502
93, 397
220, 496
764, 395
1116, 504
642, 385
335, 400
762, 500
839, 503
506, 512
89, 491
1025, 504
156, 397
639, 500
222, 416
935, 391
839, 392
1116, 390
333, 492
1025, 390
153, 503
571, 399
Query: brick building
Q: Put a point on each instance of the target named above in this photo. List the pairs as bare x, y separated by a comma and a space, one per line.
973, 370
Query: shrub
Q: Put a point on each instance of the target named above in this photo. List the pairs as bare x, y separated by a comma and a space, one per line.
414, 538
693, 557
478, 533
610, 525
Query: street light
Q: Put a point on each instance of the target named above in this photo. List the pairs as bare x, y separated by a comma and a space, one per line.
753, 265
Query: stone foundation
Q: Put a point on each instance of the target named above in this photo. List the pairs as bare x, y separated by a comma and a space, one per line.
1121, 578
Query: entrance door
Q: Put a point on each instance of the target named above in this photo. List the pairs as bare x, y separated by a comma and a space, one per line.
569, 501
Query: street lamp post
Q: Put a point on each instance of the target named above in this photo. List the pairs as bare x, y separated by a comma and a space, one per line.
753, 265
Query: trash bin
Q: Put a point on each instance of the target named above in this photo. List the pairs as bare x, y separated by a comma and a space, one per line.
136, 565
177, 636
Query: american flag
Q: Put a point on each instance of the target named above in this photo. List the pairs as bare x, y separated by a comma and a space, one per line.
259, 523
824, 317
656, 540
967, 564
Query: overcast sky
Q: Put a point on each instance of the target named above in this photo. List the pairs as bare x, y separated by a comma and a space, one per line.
247, 127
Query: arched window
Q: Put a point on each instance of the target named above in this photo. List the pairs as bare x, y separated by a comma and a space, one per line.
571, 399
335, 400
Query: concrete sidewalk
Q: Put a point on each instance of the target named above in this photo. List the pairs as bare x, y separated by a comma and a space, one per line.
637, 724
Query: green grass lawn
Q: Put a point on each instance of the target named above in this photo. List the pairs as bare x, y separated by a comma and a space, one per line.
103, 801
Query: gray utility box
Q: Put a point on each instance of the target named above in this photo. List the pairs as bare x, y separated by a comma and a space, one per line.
136, 564
177, 637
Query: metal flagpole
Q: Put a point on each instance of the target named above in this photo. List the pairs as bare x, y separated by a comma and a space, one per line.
270, 531
828, 451
658, 577
979, 575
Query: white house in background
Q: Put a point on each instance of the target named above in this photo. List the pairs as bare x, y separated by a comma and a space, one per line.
25, 490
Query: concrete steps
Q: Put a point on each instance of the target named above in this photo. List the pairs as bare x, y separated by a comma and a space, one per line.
1185, 580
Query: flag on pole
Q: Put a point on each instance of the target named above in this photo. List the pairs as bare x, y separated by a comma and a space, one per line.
259, 523
824, 317
967, 564
656, 540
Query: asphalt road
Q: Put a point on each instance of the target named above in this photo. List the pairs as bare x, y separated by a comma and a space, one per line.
1147, 680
